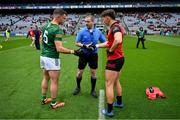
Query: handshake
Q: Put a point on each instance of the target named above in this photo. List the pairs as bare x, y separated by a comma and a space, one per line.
79, 52
91, 47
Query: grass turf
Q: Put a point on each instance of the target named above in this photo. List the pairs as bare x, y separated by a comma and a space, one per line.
20, 78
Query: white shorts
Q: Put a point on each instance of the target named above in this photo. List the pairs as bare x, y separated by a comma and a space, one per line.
50, 63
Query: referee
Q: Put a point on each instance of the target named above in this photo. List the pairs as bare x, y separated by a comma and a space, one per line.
86, 38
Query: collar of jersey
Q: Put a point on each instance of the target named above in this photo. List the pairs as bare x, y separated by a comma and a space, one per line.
114, 24
88, 29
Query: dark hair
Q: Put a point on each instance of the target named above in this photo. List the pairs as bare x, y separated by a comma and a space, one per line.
59, 12
109, 12
141, 28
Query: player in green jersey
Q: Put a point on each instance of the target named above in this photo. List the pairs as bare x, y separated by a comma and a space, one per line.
49, 59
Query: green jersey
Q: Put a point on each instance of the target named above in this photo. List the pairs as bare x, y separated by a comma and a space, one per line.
140, 34
51, 33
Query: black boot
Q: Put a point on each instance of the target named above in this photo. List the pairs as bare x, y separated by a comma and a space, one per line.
78, 88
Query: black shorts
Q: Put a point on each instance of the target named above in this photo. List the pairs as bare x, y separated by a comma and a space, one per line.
115, 65
141, 39
91, 59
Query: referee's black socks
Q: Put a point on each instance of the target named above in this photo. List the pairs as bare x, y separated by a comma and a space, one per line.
78, 80
93, 83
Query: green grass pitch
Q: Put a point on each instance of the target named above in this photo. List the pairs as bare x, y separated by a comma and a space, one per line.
158, 65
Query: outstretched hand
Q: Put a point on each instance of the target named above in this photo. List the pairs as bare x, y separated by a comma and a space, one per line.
78, 52
109, 52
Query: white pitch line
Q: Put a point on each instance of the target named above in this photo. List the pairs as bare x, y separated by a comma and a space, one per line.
101, 104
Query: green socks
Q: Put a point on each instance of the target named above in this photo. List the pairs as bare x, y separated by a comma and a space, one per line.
53, 101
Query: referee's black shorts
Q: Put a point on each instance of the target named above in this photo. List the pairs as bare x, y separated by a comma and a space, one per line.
115, 65
91, 59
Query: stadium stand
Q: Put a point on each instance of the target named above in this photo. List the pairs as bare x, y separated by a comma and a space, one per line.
152, 22
20, 24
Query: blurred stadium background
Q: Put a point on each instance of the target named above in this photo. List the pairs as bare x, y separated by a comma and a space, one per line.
158, 65
154, 15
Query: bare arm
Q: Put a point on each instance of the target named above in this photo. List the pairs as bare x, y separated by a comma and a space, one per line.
79, 44
61, 49
117, 41
102, 45
40, 39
